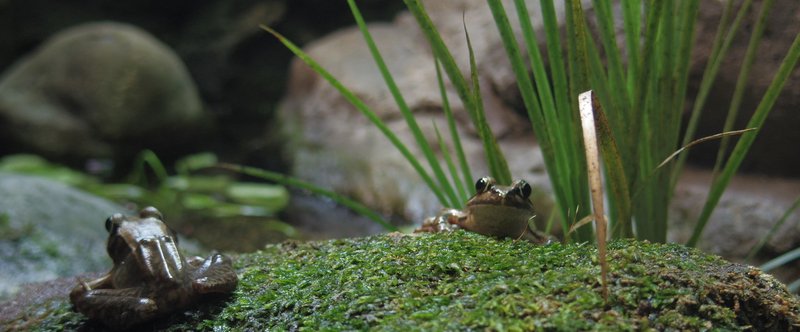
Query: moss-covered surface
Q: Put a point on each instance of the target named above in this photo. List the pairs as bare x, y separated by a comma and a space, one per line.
463, 281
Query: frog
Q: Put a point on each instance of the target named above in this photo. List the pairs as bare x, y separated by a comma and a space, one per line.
150, 277
495, 210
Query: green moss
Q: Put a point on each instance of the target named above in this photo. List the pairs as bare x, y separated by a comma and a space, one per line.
463, 281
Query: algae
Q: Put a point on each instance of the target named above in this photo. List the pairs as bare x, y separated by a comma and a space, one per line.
465, 281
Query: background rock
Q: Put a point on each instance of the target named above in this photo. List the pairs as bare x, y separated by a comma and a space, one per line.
347, 153
746, 213
774, 152
240, 70
100, 90
49, 230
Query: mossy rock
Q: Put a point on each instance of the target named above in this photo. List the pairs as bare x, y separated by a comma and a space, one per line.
465, 281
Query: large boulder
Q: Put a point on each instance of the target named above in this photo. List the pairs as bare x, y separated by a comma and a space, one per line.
330, 143
99, 90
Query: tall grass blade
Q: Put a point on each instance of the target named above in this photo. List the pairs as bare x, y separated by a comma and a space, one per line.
497, 162
463, 88
557, 118
744, 143
618, 99
773, 230
794, 286
543, 90
300, 184
366, 111
646, 68
631, 19
466, 173
451, 166
781, 260
558, 74
442, 53
580, 77
419, 137
688, 11
741, 82
549, 124
718, 51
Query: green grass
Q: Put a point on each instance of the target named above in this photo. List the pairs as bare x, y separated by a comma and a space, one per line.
465, 281
186, 191
641, 90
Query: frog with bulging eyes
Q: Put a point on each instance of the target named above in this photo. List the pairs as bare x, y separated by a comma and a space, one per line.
150, 277
495, 210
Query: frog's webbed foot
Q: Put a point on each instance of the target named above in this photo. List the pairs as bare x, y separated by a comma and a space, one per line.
84, 287
214, 274
118, 308
447, 220
537, 237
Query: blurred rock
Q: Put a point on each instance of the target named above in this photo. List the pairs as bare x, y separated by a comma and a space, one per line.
330, 143
747, 211
774, 151
49, 230
100, 90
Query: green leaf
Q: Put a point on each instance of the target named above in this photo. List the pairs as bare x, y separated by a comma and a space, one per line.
272, 197
195, 162
148, 158
300, 184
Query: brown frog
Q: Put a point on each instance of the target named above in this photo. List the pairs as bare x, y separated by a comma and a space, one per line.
495, 210
150, 277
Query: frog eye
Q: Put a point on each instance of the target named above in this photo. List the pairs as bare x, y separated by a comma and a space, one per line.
484, 184
111, 222
523, 187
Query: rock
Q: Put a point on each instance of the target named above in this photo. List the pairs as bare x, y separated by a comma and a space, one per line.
774, 151
331, 144
240, 70
99, 90
49, 230
746, 213
447, 281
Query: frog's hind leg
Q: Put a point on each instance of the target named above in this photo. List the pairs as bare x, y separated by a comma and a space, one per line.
118, 308
537, 237
447, 220
214, 274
